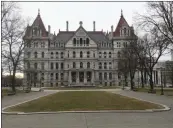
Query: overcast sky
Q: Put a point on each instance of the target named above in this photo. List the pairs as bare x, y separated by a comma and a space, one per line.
104, 14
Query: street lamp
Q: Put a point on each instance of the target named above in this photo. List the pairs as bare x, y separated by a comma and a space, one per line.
161, 83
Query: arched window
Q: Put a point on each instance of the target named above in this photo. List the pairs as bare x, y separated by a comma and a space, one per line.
42, 54
81, 42
88, 65
104, 54
119, 54
81, 54
94, 54
74, 65
81, 65
62, 54
105, 65
74, 54
28, 65
105, 76
88, 54
51, 54
35, 65
35, 54
74, 41
100, 65
110, 76
87, 42
110, 54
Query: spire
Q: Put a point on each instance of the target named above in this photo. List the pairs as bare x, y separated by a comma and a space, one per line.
121, 12
38, 11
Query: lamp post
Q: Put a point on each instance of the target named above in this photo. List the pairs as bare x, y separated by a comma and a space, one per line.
161, 83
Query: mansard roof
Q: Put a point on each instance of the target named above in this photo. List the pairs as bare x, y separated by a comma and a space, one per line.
122, 22
98, 36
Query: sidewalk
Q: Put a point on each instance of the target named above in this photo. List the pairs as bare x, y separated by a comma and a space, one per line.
21, 97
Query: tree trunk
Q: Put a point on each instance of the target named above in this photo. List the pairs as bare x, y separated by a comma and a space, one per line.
151, 82
132, 83
13, 80
142, 79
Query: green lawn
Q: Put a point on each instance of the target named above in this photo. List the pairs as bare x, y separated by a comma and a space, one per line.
83, 100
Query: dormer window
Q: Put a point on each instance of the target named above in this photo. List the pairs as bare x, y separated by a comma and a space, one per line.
81, 42
87, 42
74, 41
34, 31
125, 31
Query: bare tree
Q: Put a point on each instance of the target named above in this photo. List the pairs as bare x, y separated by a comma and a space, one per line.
160, 16
123, 69
130, 60
153, 46
12, 45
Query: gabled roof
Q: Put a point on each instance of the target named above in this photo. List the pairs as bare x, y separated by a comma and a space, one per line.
122, 22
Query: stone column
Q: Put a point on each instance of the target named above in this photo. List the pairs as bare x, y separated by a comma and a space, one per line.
69, 78
77, 79
92, 80
85, 79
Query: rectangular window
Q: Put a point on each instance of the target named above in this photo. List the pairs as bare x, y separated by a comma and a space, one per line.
62, 65
57, 66
42, 65
51, 65
62, 76
100, 76
29, 54
51, 76
56, 76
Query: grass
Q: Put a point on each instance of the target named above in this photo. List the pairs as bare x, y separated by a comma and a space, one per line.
79, 88
167, 91
83, 100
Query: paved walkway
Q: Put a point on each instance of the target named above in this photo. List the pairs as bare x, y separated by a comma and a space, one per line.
97, 120
21, 97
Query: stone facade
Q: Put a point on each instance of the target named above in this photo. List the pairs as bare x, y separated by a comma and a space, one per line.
74, 58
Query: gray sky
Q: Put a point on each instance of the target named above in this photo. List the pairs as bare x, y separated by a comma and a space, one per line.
104, 14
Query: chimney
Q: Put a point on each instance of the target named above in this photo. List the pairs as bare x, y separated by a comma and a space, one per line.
112, 31
66, 25
94, 29
49, 29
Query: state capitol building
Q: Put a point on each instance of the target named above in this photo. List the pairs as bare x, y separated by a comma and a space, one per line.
74, 58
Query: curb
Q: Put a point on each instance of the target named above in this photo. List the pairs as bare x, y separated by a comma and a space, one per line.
166, 108
61, 112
